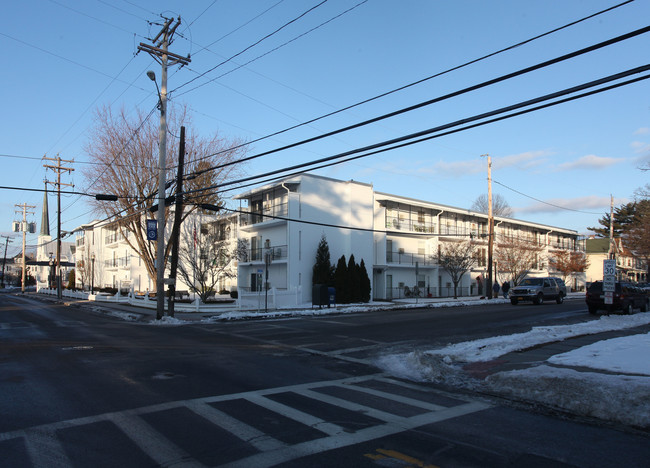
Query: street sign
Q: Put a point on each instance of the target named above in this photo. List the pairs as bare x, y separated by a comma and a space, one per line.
609, 297
609, 275
152, 229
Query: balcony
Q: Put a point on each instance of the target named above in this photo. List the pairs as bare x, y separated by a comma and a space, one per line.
407, 258
114, 237
410, 225
277, 252
122, 262
264, 215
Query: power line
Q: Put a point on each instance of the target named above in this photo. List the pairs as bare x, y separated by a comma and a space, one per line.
270, 51
331, 160
236, 29
425, 135
543, 202
439, 98
69, 60
449, 70
252, 45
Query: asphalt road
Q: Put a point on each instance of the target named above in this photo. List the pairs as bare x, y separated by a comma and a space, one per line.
82, 389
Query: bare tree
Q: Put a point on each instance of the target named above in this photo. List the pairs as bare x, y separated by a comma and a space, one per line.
124, 151
500, 206
204, 260
568, 262
84, 266
457, 258
516, 256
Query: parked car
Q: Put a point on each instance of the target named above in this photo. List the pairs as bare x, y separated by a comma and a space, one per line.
626, 297
537, 290
561, 285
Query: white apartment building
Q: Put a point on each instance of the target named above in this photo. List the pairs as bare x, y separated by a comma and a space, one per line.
104, 258
396, 236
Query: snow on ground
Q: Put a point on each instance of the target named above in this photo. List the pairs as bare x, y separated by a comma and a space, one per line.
620, 394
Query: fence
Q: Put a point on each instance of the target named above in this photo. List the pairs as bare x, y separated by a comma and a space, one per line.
407, 292
272, 299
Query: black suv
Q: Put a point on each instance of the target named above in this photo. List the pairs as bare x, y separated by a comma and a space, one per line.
626, 297
537, 290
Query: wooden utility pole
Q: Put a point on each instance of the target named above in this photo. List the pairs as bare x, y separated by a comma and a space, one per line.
611, 254
4, 259
160, 53
176, 230
488, 285
58, 169
23, 227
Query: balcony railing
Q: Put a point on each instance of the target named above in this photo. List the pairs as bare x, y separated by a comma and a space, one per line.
115, 237
122, 262
407, 258
277, 252
255, 217
410, 225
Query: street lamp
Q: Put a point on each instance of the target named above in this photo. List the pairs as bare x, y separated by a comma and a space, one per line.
92, 273
162, 146
152, 77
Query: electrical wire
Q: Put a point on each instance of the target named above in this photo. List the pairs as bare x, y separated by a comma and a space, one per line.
425, 135
449, 70
68, 60
542, 201
236, 29
270, 51
252, 45
515, 114
437, 99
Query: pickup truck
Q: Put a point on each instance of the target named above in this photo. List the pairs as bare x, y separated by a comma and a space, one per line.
537, 290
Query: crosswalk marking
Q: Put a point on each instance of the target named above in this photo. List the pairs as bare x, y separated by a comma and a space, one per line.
249, 434
296, 415
150, 441
45, 450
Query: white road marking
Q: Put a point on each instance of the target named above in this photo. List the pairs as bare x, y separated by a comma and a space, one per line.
163, 451
45, 449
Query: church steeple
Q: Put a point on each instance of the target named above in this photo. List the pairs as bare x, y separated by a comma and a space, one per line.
45, 218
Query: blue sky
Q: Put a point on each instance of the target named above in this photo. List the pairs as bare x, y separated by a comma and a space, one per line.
65, 58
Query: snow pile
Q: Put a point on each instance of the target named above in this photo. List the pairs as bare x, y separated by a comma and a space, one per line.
491, 348
609, 395
619, 398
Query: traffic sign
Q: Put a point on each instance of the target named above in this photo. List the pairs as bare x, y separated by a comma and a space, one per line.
152, 229
609, 275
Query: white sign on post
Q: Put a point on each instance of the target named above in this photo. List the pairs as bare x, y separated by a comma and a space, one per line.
609, 280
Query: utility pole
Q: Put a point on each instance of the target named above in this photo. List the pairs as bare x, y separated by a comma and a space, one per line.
176, 230
58, 169
159, 51
23, 227
611, 253
488, 285
4, 259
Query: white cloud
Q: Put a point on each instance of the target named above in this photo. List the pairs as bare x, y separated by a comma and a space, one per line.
527, 160
642, 131
524, 161
590, 161
459, 168
640, 147
589, 203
